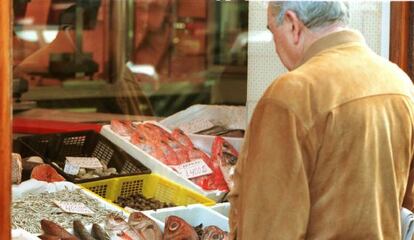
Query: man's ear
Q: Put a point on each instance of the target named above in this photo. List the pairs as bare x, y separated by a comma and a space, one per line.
294, 24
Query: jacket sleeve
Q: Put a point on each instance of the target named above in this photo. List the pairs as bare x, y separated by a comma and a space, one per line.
270, 199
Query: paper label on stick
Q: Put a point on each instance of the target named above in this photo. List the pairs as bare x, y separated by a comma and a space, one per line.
74, 207
195, 168
71, 169
85, 162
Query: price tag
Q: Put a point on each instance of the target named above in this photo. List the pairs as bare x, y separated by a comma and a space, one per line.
71, 169
193, 169
85, 162
74, 207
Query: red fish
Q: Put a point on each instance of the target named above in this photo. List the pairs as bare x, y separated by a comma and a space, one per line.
170, 157
145, 226
214, 233
181, 137
52, 229
225, 155
122, 127
159, 130
146, 145
178, 229
195, 153
182, 155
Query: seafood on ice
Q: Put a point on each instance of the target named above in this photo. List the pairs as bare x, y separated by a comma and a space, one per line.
214, 233
176, 148
176, 228
145, 226
138, 227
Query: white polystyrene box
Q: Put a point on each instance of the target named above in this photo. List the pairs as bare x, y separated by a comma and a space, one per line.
155, 165
222, 208
20, 191
194, 215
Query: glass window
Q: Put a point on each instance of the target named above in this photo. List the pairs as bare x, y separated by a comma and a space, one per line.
140, 57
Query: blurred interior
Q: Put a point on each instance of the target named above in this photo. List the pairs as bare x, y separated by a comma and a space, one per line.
136, 57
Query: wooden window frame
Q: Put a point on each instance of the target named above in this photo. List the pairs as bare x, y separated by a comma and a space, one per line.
402, 36
5, 119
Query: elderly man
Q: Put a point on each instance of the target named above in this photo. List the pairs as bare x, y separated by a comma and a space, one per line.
328, 150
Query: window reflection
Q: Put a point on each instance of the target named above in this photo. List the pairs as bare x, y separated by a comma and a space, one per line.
151, 57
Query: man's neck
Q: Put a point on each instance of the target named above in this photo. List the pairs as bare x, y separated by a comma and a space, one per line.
318, 33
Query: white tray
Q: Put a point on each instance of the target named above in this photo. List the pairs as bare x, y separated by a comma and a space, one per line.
21, 234
193, 214
36, 187
155, 165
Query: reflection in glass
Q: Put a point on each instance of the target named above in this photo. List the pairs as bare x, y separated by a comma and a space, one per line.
151, 57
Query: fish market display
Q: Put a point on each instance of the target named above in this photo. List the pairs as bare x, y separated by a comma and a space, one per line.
226, 156
141, 227
80, 231
122, 127
94, 173
54, 231
99, 233
47, 173
145, 226
199, 230
139, 202
222, 131
116, 226
27, 212
176, 148
214, 233
176, 228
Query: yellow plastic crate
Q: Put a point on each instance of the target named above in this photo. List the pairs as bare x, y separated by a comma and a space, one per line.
149, 185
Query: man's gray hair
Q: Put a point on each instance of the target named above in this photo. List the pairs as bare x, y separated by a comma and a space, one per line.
313, 14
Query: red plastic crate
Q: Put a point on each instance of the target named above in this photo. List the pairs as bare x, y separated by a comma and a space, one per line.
36, 126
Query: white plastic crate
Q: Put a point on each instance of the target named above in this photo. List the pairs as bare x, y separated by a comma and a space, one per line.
193, 214
157, 166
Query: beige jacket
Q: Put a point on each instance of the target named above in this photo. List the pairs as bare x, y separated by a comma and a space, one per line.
328, 149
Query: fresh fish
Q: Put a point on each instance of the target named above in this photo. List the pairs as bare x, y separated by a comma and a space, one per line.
182, 138
182, 155
147, 145
195, 153
157, 129
178, 229
99, 233
48, 237
145, 131
214, 181
116, 226
147, 228
53, 229
214, 233
172, 142
225, 155
80, 231
170, 157
122, 127
212, 130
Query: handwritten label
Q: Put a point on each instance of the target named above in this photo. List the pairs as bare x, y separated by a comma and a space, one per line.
74, 207
193, 169
85, 162
71, 169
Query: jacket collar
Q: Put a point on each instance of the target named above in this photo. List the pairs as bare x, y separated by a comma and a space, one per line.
332, 40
